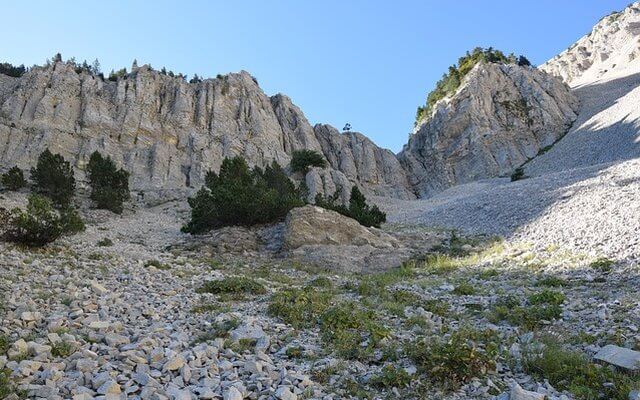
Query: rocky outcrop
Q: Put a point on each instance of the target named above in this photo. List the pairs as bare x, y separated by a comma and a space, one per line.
500, 117
361, 160
610, 48
167, 132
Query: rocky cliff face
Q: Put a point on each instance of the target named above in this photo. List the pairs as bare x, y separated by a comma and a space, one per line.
608, 49
168, 132
500, 117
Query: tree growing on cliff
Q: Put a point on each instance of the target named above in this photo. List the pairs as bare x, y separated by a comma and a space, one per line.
109, 185
303, 160
53, 177
358, 208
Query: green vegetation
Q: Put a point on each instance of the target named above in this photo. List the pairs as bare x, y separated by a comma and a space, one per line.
547, 297
71, 221
240, 196
572, 371
464, 289
390, 377
119, 74
62, 349
13, 179
156, 264
530, 316
53, 177
234, 285
551, 281
38, 225
518, 174
109, 185
106, 242
456, 74
9, 69
358, 208
602, 264
454, 361
352, 332
302, 160
300, 308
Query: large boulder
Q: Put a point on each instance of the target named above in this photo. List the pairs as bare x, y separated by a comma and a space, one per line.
334, 242
311, 225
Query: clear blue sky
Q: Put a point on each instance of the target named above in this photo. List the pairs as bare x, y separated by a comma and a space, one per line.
370, 63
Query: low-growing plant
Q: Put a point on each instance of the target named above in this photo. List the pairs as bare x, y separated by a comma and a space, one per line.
13, 179
455, 360
602, 264
300, 308
106, 242
62, 349
574, 372
350, 331
464, 289
391, 376
303, 160
156, 264
551, 281
294, 352
510, 309
235, 285
547, 297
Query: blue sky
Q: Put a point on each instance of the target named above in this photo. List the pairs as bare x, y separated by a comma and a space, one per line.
369, 63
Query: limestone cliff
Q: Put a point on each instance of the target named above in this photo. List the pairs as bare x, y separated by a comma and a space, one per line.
611, 47
501, 116
168, 132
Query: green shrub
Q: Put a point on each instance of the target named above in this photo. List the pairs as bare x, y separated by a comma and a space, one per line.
572, 371
71, 221
300, 308
547, 297
390, 377
109, 185
13, 179
156, 264
38, 225
106, 242
302, 160
239, 196
517, 174
454, 361
53, 177
602, 264
358, 208
351, 331
233, 285
529, 316
551, 281
464, 289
